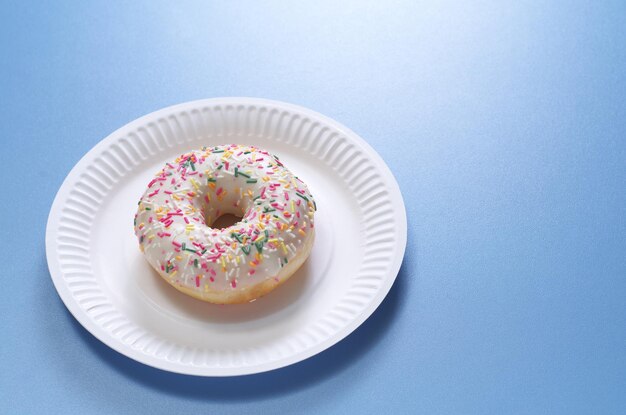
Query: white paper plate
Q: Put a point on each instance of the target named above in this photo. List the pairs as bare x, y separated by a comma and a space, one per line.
107, 285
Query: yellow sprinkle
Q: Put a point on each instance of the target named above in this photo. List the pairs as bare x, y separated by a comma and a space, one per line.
282, 244
252, 264
272, 240
173, 273
261, 225
195, 185
266, 179
212, 185
230, 257
178, 257
223, 262
293, 207
301, 232
250, 192
238, 259
206, 288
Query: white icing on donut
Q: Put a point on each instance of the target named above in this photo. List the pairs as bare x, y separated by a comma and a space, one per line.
171, 222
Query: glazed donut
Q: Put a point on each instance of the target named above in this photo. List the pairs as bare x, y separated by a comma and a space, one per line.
238, 263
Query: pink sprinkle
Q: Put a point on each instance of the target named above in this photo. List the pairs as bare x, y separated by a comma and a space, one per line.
263, 193
197, 280
167, 192
154, 193
251, 272
186, 220
286, 196
176, 244
150, 219
212, 279
152, 182
219, 191
226, 165
233, 283
166, 234
212, 271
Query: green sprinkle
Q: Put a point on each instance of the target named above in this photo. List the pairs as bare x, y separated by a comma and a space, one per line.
236, 171
251, 181
195, 262
255, 198
218, 151
245, 249
211, 179
244, 175
259, 246
193, 166
220, 166
236, 236
148, 208
302, 196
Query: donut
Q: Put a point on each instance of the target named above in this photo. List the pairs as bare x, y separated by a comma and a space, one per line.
238, 263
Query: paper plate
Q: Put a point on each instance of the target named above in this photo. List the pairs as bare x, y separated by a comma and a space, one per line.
107, 285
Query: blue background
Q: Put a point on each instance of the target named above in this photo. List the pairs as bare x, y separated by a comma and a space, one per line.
504, 124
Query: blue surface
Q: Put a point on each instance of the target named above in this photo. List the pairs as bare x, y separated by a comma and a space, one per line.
505, 125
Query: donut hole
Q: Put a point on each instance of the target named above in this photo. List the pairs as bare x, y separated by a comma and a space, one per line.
224, 221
